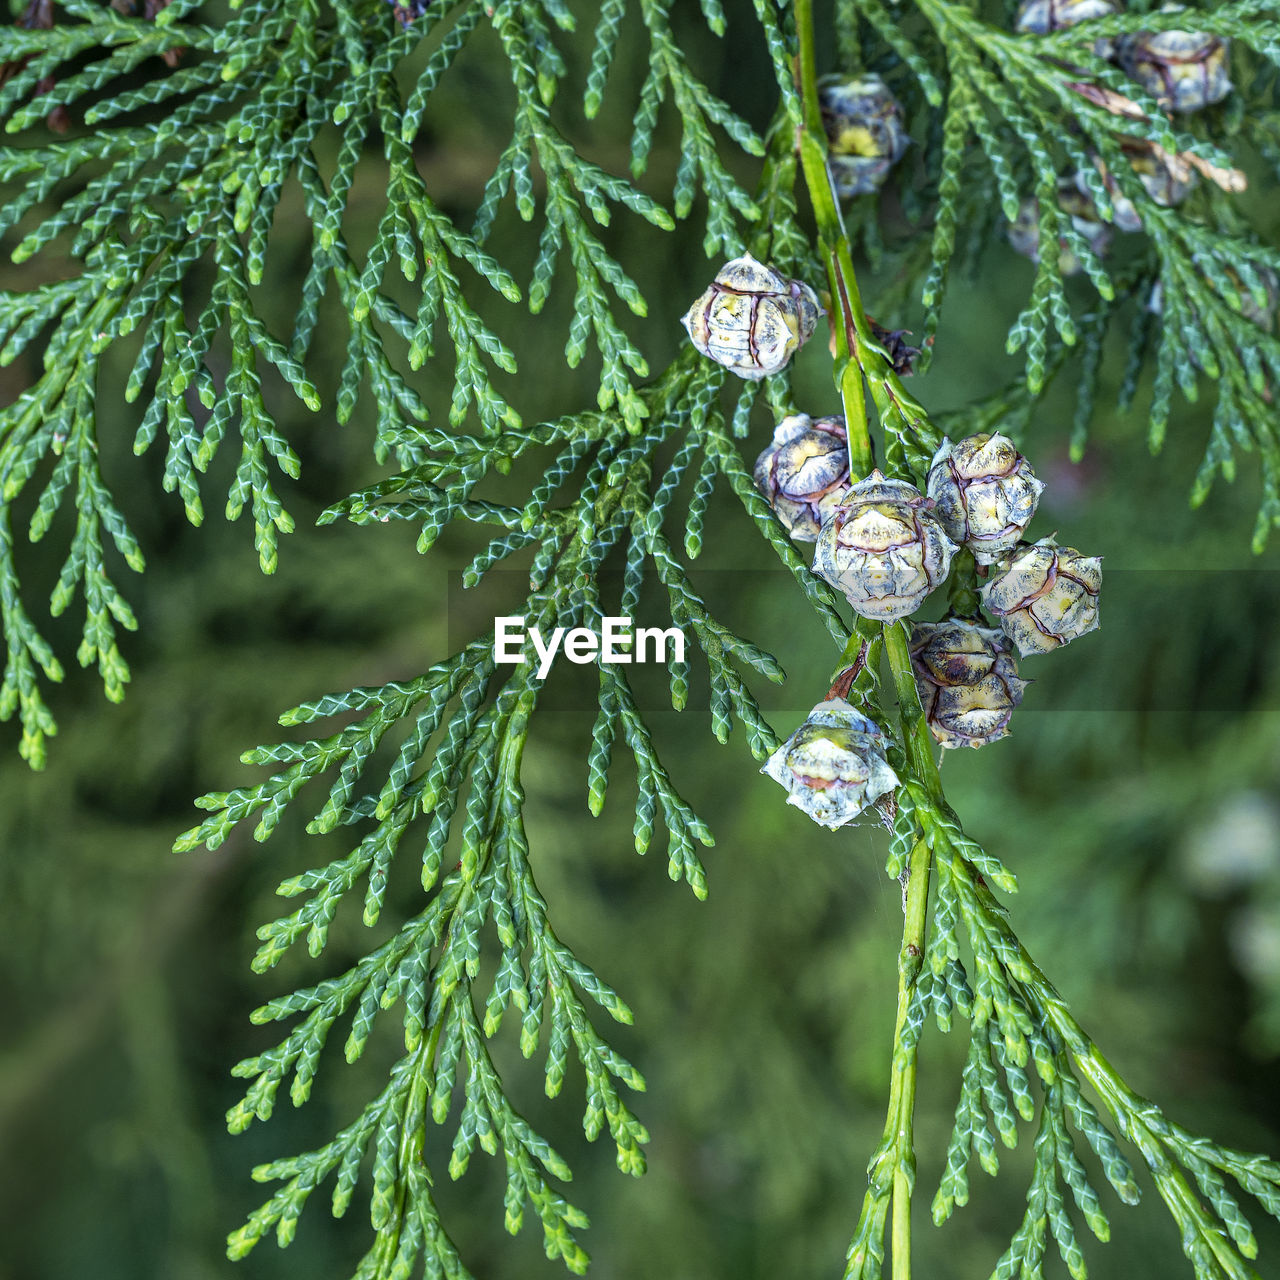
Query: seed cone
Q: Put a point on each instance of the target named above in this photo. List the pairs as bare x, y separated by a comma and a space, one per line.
752, 319
865, 137
1040, 17
1045, 596
984, 492
883, 548
1182, 70
833, 766
968, 681
1165, 187
805, 472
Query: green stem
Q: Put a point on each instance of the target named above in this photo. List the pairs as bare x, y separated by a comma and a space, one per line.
848, 321
892, 1172
910, 959
858, 355
412, 1141
915, 731
962, 588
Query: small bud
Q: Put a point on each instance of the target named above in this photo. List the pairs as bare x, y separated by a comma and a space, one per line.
865, 137
834, 765
752, 319
1045, 596
984, 492
902, 355
1182, 70
1024, 231
968, 681
883, 548
805, 472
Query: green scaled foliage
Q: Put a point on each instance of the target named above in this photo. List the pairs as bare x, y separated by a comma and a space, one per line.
158, 200
157, 208
453, 776
1020, 1029
1023, 116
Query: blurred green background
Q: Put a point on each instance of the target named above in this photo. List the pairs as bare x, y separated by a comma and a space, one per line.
1136, 800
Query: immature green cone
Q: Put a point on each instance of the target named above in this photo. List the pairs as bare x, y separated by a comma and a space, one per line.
884, 548
1182, 70
1045, 596
833, 766
865, 137
1024, 230
984, 492
752, 319
805, 472
968, 681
